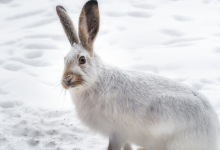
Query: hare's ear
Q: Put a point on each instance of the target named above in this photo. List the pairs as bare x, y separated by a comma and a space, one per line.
67, 25
89, 24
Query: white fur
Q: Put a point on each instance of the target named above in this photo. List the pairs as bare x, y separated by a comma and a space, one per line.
136, 108
150, 111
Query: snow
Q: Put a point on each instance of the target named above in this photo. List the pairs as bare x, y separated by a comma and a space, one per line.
178, 39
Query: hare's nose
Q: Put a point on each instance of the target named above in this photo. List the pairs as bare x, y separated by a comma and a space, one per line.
68, 79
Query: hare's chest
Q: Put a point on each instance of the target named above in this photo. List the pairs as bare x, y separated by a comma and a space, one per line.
92, 115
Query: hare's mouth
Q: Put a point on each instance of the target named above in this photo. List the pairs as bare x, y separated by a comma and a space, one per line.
67, 84
70, 84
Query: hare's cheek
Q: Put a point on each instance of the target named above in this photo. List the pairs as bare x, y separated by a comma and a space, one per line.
83, 66
84, 70
78, 80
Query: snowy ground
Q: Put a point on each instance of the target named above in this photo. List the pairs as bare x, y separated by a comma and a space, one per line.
178, 39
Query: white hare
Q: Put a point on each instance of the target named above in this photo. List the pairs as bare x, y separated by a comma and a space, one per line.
132, 107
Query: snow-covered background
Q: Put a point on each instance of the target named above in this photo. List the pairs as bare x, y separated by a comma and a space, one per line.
178, 39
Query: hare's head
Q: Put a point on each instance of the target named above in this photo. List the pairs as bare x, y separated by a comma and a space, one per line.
81, 64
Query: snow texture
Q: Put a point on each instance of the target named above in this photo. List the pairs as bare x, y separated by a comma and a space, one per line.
177, 39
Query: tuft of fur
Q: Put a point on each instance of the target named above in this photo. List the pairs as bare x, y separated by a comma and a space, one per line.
132, 107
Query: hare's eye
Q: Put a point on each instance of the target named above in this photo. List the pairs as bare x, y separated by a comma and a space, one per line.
82, 60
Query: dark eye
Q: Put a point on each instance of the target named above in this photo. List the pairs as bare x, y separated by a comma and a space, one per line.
82, 60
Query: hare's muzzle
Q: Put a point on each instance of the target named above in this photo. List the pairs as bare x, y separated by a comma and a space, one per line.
73, 80
67, 82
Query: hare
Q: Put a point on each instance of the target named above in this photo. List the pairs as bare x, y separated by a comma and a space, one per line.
131, 107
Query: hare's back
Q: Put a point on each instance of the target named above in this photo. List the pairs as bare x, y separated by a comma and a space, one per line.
171, 98
161, 85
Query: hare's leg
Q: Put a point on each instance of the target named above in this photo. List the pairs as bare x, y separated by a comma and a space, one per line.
115, 142
127, 146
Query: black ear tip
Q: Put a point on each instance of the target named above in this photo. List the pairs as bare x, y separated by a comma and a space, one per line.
59, 6
92, 2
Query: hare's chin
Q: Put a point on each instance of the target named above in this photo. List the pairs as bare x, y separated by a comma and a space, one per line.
67, 86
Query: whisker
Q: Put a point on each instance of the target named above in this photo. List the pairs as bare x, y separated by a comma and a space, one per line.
58, 97
63, 90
